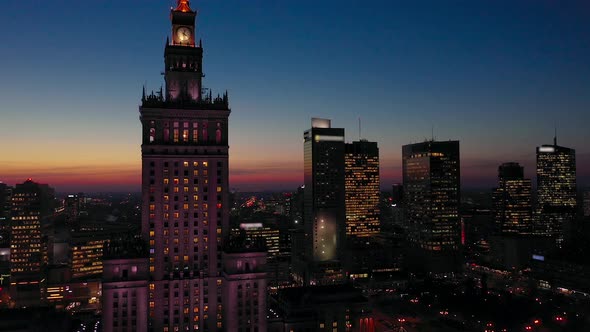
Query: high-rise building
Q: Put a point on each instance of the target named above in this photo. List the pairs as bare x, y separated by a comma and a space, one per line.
73, 205
31, 204
556, 189
431, 175
586, 203
513, 212
5, 207
185, 187
398, 212
324, 224
257, 231
362, 188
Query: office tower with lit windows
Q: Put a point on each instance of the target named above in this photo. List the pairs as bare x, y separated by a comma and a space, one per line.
362, 188
32, 203
73, 205
185, 211
324, 223
513, 212
5, 208
556, 189
431, 182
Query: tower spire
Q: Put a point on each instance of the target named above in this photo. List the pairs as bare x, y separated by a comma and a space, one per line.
555, 137
183, 6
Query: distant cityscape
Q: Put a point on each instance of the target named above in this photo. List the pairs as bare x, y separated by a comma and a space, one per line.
336, 254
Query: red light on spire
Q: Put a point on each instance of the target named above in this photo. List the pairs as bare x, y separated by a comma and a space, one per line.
183, 6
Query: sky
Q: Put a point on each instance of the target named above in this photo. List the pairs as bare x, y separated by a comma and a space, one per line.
497, 75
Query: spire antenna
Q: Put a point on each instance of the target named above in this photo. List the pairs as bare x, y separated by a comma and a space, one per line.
360, 132
555, 137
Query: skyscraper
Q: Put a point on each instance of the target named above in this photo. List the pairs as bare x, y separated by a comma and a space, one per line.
31, 204
513, 212
362, 188
5, 208
324, 222
184, 187
431, 175
556, 189
586, 203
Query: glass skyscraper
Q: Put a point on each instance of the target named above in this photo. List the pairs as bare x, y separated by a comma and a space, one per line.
513, 212
556, 189
431, 175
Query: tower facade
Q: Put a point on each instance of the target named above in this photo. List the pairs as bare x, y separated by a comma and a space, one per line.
245, 284
184, 187
362, 188
431, 175
556, 189
513, 212
324, 223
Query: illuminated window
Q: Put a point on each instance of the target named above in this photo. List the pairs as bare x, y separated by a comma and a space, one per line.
152, 134
185, 164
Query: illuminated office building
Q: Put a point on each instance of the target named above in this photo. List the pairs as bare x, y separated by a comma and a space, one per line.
31, 204
556, 189
254, 231
86, 257
513, 212
324, 224
431, 175
73, 205
5, 207
362, 188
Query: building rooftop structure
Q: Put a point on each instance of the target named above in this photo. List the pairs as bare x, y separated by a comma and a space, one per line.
125, 247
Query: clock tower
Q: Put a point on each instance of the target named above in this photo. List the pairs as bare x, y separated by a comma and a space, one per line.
183, 58
185, 190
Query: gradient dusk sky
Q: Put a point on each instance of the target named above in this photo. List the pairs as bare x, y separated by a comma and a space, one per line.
496, 75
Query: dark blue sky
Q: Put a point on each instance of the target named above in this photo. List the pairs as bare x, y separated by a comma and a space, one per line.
497, 75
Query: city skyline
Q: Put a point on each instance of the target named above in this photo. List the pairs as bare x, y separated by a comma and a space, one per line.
500, 68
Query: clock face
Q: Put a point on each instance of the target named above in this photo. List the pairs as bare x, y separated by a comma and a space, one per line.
183, 34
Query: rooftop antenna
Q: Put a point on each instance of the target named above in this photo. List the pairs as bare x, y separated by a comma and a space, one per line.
555, 137
432, 132
360, 136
